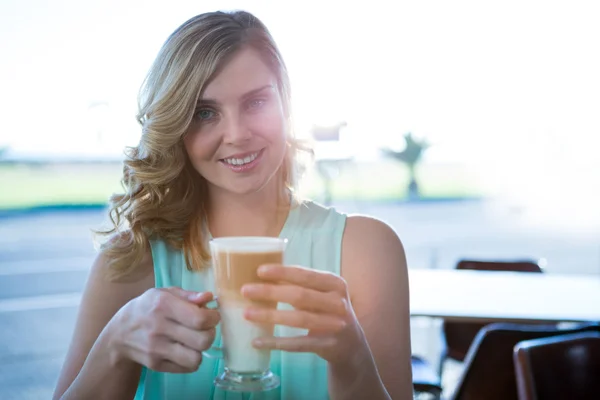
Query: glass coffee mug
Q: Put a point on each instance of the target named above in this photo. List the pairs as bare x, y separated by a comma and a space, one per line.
235, 263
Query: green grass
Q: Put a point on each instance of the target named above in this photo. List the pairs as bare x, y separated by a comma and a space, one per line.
24, 186
388, 180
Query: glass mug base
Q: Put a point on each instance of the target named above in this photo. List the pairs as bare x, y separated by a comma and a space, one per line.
247, 382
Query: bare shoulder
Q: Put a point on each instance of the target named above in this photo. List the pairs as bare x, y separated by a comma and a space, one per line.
373, 259
103, 296
115, 292
135, 275
137, 280
370, 238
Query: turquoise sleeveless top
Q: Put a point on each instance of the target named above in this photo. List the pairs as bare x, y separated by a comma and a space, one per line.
314, 236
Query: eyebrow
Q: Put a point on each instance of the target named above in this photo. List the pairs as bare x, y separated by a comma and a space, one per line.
242, 97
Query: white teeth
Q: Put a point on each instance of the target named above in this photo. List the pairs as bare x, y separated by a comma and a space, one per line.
241, 161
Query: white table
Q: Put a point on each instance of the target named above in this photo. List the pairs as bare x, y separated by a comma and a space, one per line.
486, 296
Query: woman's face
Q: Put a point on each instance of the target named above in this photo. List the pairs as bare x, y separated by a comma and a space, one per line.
237, 140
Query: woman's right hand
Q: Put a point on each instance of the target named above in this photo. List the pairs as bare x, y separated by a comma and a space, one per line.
165, 329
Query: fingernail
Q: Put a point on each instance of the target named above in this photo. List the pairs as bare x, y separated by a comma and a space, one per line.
249, 289
195, 296
258, 343
250, 312
263, 269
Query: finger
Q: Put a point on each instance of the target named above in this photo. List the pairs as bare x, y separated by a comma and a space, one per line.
183, 356
195, 340
198, 298
296, 319
198, 319
168, 366
305, 277
183, 312
297, 344
297, 296
158, 360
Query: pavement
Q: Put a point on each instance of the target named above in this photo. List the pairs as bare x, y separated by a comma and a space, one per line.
44, 261
45, 258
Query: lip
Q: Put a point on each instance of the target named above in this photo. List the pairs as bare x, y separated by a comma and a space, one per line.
245, 167
241, 155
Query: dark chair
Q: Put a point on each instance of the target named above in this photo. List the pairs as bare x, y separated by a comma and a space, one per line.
458, 336
561, 367
489, 371
425, 378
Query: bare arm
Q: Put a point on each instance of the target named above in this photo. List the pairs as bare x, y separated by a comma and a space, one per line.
374, 267
358, 323
88, 366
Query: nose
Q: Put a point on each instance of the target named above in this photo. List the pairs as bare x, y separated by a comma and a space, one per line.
235, 131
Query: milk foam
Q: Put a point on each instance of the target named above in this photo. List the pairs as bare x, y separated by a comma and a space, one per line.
238, 333
248, 244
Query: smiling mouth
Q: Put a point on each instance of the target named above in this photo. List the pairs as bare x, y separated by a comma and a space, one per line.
241, 161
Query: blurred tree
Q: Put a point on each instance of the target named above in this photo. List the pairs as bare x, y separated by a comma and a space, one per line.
410, 156
3, 151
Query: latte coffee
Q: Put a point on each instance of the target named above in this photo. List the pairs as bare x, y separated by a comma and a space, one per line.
235, 263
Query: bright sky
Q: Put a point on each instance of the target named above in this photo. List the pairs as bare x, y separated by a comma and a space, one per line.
503, 85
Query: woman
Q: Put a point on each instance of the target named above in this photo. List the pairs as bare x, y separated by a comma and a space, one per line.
217, 158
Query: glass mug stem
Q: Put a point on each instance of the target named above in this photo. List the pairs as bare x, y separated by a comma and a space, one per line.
240, 381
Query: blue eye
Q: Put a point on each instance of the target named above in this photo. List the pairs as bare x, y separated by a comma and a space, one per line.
205, 114
256, 103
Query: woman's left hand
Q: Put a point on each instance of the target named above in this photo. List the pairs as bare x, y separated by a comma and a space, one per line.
321, 305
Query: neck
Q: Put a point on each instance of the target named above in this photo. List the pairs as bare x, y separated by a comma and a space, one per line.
262, 213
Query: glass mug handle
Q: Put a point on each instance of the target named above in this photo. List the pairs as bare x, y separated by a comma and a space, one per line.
214, 352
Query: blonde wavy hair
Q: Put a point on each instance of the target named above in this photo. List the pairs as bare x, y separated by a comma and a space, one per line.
164, 195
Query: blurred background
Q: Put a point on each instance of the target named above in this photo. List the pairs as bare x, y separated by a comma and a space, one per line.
472, 128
